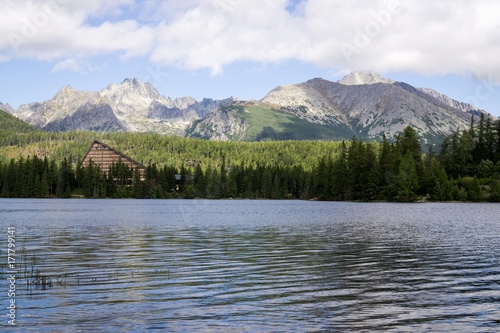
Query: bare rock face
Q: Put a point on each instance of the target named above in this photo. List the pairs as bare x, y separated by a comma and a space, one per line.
64, 104
362, 104
219, 125
363, 77
129, 106
449, 103
373, 106
88, 117
7, 108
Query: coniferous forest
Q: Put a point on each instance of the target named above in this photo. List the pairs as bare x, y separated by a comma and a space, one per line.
464, 167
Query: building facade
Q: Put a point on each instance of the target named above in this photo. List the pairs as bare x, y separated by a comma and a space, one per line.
105, 156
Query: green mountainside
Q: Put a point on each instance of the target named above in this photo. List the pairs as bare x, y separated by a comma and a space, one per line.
267, 123
254, 121
9, 123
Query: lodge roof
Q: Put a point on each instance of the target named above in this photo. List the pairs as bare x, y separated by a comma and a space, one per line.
123, 156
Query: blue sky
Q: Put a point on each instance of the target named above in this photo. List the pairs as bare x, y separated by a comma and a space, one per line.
245, 48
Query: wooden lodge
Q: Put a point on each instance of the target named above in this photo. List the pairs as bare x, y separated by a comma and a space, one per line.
105, 156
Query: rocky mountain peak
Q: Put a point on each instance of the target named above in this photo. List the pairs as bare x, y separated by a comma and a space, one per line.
127, 106
64, 93
6, 108
363, 103
363, 77
131, 88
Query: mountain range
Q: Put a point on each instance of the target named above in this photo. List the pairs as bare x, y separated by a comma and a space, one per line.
362, 104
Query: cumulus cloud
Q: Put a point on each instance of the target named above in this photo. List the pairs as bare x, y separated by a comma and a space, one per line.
79, 66
55, 29
425, 37
67, 65
214, 34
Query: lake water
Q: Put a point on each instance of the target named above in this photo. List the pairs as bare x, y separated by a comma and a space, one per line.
251, 266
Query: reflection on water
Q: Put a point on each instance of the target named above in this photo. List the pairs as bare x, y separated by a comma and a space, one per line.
256, 266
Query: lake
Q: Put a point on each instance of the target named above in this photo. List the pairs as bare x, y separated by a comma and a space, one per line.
251, 266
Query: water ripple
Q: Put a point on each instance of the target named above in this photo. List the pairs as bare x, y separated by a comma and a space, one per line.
375, 268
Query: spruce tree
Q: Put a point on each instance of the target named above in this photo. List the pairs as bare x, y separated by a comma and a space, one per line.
407, 179
200, 185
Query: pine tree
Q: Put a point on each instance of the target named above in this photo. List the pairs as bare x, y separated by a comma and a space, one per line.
37, 187
61, 187
137, 185
200, 185
442, 190
65, 180
276, 192
183, 180
474, 190
213, 184
223, 179
247, 184
267, 184
387, 167
481, 150
358, 166
407, 179
52, 177
408, 141
497, 141
490, 140
232, 188
5, 189
28, 179
371, 175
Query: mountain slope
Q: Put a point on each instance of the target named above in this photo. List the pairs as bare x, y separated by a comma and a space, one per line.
6, 107
362, 104
254, 121
91, 117
363, 77
130, 106
9, 123
372, 106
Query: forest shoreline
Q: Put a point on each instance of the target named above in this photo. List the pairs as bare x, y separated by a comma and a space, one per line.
418, 201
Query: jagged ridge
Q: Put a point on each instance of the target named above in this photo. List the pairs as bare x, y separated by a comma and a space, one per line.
372, 106
128, 106
362, 104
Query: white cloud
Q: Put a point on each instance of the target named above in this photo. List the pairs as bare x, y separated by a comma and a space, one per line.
425, 37
214, 34
55, 29
67, 65
78, 66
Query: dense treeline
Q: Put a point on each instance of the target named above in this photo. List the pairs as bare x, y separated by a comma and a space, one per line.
399, 171
152, 148
33, 177
467, 168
